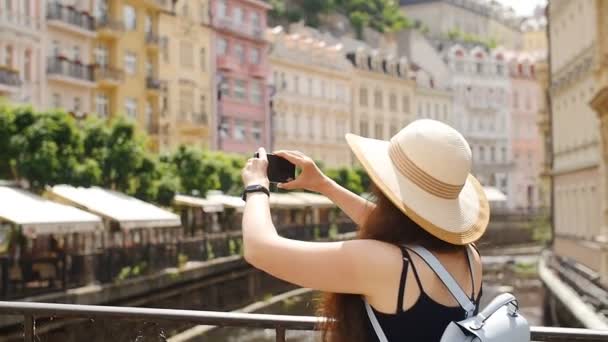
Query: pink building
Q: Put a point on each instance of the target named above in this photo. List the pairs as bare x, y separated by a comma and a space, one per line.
242, 69
527, 95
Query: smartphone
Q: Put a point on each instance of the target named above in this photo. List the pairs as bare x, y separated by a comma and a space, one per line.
280, 170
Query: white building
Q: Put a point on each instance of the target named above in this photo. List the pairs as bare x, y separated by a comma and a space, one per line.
481, 86
22, 64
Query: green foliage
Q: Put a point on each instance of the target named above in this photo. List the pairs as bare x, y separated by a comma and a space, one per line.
381, 15
347, 177
541, 229
182, 260
458, 35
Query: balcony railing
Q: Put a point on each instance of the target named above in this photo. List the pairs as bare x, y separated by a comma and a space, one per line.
107, 73
9, 77
73, 69
70, 15
228, 23
152, 83
279, 323
152, 38
110, 24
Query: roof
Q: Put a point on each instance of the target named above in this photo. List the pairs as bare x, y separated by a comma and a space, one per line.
208, 206
227, 200
128, 211
494, 195
39, 215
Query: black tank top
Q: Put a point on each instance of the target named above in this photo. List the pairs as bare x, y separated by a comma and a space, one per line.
425, 321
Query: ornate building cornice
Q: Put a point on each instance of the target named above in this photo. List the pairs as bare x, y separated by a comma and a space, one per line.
578, 67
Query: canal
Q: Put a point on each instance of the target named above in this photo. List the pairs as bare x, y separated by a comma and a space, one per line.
515, 274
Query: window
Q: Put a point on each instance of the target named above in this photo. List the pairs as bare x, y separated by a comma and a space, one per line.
130, 63
148, 118
256, 93
203, 56
378, 134
254, 56
8, 56
364, 128
296, 84
222, 46
492, 153
256, 132
131, 107
239, 130
186, 54
149, 69
239, 53
378, 99
405, 103
515, 99
479, 67
363, 97
459, 66
56, 100
392, 102
224, 127
504, 154
203, 13
255, 20
186, 104
76, 53
77, 105
221, 9
185, 10
102, 105
165, 47
239, 89
237, 14
309, 91
311, 129
129, 17
202, 118
147, 24
225, 88
27, 65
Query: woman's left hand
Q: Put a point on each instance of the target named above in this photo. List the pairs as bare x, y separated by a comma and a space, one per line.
255, 171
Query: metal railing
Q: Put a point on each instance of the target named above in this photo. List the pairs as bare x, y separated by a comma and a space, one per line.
280, 323
70, 15
152, 83
74, 69
9, 77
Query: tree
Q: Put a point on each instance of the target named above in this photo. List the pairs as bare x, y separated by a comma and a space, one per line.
346, 177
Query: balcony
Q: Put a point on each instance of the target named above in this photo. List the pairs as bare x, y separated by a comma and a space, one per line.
109, 28
226, 23
258, 70
64, 70
30, 311
153, 86
152, 41
70, 19
109, 77
157, 4
9, 80
227, 62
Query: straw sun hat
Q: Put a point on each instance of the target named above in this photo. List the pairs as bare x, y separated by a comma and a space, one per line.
425, 171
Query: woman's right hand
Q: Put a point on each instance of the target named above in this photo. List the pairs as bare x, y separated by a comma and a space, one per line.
311, 178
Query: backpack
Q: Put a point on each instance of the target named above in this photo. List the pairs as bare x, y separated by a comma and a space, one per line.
499, 321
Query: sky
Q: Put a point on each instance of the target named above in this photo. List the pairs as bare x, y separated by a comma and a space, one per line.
523, 7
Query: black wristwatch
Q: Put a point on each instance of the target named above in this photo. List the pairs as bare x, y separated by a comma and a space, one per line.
255, 188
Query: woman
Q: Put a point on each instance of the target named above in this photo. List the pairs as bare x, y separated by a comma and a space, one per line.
425, 196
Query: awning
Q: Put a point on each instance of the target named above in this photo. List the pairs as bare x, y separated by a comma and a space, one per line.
227, 200
286, 201
494, 194
314, 200
208, 206
128, 211
38, 215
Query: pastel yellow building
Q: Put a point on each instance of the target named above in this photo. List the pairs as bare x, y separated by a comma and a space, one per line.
383, 93
186, 104
311, 104
126, 56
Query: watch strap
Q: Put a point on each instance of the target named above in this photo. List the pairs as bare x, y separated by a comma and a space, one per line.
255, 188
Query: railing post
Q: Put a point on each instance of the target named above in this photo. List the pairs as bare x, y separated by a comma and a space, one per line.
280, 333
28, 328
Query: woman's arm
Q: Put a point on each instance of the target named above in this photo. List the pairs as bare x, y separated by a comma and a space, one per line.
327, 266
311, 178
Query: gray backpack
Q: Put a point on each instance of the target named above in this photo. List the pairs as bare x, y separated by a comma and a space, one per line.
500, 321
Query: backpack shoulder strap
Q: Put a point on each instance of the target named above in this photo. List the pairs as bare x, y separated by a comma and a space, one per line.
447, 279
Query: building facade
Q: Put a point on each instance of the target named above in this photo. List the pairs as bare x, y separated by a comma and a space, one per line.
482, 90
186, 109
242, 70
526, 98
382, 93
482, 19
311, 102
126, 55
577, 30
22, 54
432, 101
69, 70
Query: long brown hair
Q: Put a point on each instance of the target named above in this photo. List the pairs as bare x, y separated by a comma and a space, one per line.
386, 223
